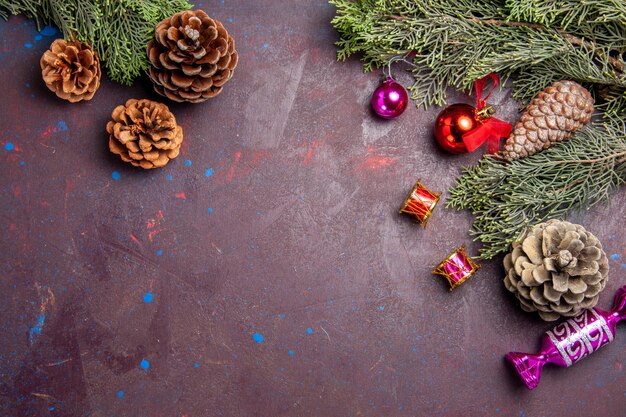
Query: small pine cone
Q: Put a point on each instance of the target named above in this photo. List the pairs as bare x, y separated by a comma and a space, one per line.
557, 269
144, 133
71, 69
552, 116
192, 57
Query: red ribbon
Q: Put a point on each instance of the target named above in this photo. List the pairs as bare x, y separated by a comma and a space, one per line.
489, 129
480, 84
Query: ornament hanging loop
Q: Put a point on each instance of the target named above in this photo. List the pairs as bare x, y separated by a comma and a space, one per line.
387, 72
485, 112
387, 68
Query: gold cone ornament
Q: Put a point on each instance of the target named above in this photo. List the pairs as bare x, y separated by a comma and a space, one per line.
71, 69
144, 133
192, 57
552, 116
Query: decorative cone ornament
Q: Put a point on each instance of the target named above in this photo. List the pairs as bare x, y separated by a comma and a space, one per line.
552, 116
389, 99
71, 69
144, 133
192, 57
462, 128
557, 269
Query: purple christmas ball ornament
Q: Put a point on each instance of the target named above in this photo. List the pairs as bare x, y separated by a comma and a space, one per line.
389, 99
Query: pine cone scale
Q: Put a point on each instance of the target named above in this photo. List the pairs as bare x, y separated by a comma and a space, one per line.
190, 96
85, 58
540, 275
224, 61
190, 70
206, 74
133, 148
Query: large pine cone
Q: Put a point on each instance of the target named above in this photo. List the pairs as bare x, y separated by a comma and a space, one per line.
71, 69
144, 133
192, 57
558, 269
552, 116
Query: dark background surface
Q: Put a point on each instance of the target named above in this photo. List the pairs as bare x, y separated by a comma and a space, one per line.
294, 236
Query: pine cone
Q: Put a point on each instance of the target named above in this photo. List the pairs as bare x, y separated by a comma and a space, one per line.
71, 69
192, 57
557, 269
552, 116
144, 133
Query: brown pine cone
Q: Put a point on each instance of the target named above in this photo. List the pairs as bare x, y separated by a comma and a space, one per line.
192, 57
557, 269
552, 116
144, 133
71, 69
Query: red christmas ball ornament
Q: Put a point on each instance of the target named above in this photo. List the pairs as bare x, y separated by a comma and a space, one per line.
389, 99
452, 123
462, 128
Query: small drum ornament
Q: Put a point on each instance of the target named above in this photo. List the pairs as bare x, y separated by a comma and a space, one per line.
420, 203
457, 268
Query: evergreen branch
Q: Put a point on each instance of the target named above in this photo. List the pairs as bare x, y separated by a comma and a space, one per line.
565, 13
509, 197
618, 64
119, 30
457, 42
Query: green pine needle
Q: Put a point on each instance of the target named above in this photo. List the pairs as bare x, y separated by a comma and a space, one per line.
119, 30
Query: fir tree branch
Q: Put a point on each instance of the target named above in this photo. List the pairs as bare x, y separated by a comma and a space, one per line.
616, 155
453, 46
574, 40
509, 197
566, 13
